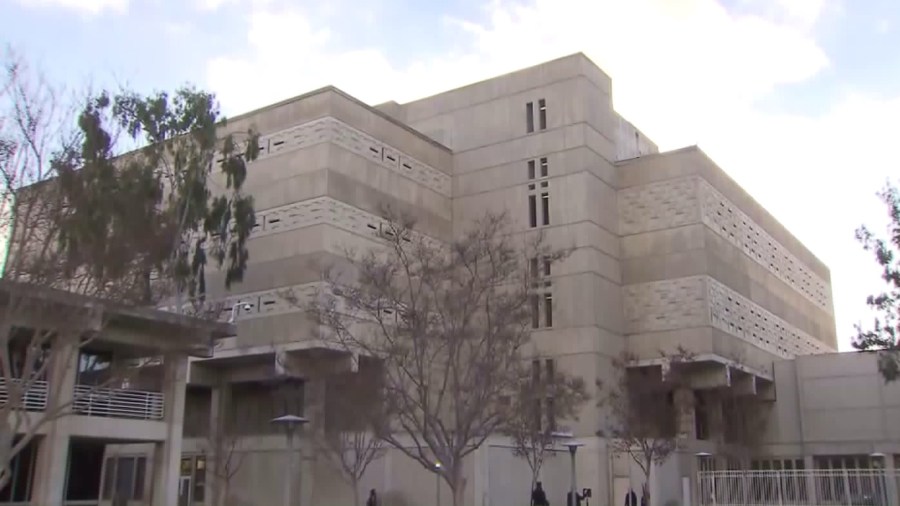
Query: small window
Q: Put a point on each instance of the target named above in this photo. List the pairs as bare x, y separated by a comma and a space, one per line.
551, 414
548, 310
550, 365
200, 479
529, 117
545, 199
543, 167
535, 312
532, 210
546, 267
530, 169
534, 267
542, 106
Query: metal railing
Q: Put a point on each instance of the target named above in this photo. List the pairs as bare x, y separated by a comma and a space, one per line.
35, 398
118, 403
819, 487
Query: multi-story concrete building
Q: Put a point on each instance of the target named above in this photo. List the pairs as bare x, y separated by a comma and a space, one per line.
667, 252
77, 411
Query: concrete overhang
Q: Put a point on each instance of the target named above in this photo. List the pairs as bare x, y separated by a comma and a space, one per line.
234, 364
709, 371
119, 326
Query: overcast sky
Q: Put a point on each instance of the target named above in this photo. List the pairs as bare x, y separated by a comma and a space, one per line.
798, 100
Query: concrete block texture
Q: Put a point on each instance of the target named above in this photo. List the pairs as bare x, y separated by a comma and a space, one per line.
665, 251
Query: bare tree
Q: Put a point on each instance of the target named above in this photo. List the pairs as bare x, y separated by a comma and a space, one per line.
643, 411
348, 433
448, 322
540, 404
40, 337
225, 449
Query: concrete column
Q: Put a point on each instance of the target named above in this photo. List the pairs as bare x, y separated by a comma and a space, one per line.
51, 467
167, 454
809, 464
219, 406
716, 417
684, 411
890, 481
314, 410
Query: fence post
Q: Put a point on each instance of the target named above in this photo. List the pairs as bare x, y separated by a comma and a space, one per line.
778, 484
847, 486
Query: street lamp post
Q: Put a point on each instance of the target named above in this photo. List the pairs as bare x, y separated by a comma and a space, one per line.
437, 483
290, 424
702, 458
573, 445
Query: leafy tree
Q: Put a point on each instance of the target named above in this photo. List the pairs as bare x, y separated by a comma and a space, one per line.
82, 217
448, 323
151, 218
883, 333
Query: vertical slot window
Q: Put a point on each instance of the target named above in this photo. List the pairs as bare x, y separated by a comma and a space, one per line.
548, 310
542, 111
545, 200
532, 210
529, 117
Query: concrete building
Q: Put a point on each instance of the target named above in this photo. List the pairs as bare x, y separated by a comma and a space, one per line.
667, 252
85, 404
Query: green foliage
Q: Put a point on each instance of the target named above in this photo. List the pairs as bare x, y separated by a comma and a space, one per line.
163, 211
883, 333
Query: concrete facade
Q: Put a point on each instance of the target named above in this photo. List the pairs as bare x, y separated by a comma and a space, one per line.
667, 252
77, 407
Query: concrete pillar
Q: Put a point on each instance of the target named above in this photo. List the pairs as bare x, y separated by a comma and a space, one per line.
314, 410
892, 495
51, 467
219, 406
716, 417
684, 411
167, 454
809, 464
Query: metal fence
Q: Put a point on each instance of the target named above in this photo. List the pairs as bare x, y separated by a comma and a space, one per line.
119, 403
814, 487
34, 399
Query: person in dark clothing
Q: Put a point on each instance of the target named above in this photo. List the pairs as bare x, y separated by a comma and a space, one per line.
538, 496
631, 498
373, 498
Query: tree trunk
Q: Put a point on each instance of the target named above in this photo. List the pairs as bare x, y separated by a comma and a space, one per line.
458, 489
355, 483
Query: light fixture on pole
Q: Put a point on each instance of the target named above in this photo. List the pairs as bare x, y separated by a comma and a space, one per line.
234, 310
290, 424
572, 444
700, 457
437, 483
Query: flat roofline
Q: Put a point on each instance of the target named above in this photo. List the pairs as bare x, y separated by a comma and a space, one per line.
578, 54
115, 310
334, 89
697, 149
